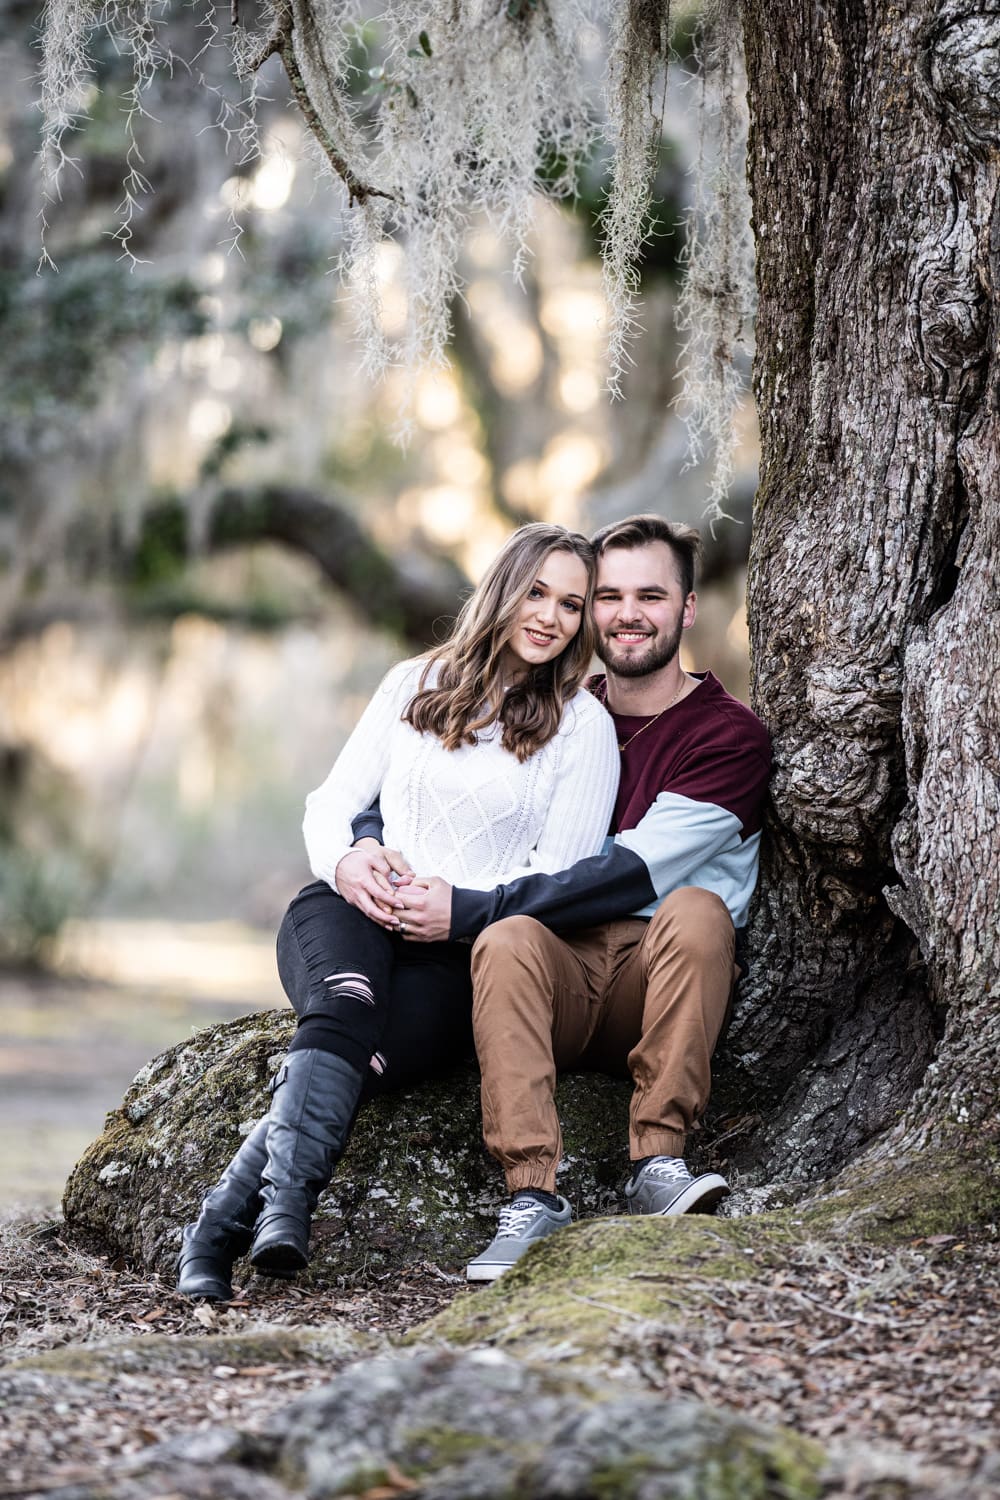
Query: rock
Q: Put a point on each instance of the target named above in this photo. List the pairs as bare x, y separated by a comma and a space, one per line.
415, 1184
483, 1425
461, 1425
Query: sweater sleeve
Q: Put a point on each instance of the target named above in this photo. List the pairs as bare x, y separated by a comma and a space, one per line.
357, 773
578, 815
609, 885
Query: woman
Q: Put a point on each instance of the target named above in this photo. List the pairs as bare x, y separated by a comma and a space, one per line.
490, 761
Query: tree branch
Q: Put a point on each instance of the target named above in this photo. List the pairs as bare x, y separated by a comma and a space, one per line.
414, 596
281, 41
393, 594
357, 191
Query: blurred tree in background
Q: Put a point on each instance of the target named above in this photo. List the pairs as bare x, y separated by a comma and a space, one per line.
233, 412
186, 438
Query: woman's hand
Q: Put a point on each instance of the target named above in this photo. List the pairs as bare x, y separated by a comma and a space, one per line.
424, 910
367, 877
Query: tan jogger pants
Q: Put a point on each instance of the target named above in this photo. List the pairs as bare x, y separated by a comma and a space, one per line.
632, 997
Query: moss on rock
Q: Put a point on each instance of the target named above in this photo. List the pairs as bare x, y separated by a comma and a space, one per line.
452, 1425
571, 1292
415, 1183
886, 1200
180, 1121
486, 1425
334, 1345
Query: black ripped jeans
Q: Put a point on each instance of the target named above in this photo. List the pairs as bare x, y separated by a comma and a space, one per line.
394, 1010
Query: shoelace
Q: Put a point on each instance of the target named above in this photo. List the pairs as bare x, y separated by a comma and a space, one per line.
513, 1221
670, 1169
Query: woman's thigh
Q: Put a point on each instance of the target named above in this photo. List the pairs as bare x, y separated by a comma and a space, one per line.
421, 1022
322, 935
429, 1023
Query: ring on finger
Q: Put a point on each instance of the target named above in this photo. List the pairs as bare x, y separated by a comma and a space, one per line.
402, 927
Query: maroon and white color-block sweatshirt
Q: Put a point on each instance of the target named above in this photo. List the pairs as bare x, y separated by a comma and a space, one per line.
688, 813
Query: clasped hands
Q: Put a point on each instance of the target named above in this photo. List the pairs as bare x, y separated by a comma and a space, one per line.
381, 884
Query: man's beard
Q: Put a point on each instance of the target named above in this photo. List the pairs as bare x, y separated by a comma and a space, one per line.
660, 654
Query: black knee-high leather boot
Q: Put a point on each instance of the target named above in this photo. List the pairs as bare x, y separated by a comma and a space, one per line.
311, 1113
224, 1228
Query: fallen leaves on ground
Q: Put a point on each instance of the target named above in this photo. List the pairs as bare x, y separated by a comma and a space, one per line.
53, 1296
847, 1343
897, 1347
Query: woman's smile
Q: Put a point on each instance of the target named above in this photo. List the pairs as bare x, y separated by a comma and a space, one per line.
550, 614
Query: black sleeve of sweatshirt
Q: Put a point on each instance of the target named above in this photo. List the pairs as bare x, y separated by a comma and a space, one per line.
602, 888
368, 824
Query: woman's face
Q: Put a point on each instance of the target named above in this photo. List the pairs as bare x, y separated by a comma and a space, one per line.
550, 614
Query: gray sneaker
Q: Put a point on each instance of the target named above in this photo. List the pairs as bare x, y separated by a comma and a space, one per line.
522, 1222
665, 1186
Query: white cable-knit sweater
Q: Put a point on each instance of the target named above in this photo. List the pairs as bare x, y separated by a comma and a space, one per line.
476, 816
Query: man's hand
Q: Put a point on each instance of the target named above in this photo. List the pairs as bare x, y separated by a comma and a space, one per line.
368, 876
424, 911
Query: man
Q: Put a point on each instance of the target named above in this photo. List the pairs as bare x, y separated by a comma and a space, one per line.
626, 960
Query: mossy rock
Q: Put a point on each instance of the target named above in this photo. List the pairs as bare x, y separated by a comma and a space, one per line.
415, 1183
480, 1425
571, 1296
568, 1294
333, 1345
485, 1425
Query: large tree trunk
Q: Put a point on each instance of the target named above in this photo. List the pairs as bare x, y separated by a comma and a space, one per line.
875, 608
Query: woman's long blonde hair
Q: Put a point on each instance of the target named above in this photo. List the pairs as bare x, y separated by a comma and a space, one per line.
469, 694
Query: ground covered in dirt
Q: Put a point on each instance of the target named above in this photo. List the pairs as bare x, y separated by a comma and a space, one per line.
865, 1345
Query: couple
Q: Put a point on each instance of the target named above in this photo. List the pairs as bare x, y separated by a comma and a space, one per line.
500, 773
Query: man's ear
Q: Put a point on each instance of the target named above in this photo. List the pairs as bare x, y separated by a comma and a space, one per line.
690, 611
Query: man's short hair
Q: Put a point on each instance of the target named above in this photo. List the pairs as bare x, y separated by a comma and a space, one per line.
638, 531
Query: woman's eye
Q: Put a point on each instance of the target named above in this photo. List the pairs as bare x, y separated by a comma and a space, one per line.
534, 593
572, 606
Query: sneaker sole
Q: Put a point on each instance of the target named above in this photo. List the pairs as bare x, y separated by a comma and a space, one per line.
485, 1273
699, 1198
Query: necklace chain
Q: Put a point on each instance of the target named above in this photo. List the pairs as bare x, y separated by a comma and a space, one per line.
649, 722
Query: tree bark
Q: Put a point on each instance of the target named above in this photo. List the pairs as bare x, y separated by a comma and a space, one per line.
874, 164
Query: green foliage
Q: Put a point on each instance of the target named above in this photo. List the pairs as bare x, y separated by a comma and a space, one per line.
162, 553
61, 336
241, 435
46, 872
37, 895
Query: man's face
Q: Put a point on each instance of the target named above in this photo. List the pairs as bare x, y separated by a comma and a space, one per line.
640, 609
